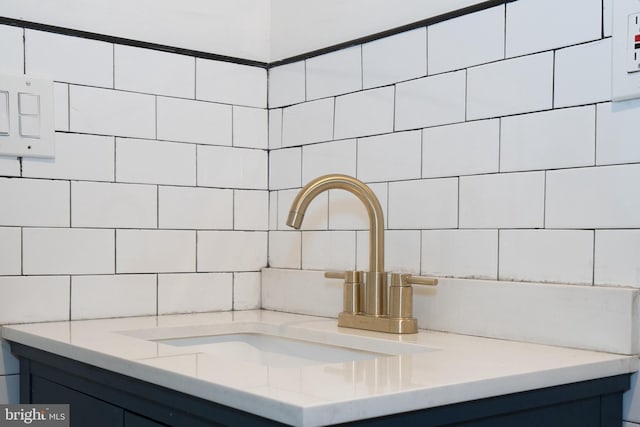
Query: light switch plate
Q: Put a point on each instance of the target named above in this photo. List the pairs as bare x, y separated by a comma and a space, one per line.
26, 117
625, 82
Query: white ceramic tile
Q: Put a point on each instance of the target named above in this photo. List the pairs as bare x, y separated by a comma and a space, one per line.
273, 210
8, 362
155, 162
334, 73
328, 250
285, 249
460, 253
250, 210
231, 167
287, 84
495, 309
401, 251
461, 149
314, 219
275, 128
491, 88
61, 106
607, 18
601, 197
10, 389
246, 291
34, 202
616, 139
346, 211
195, 292
583, 74
390, 157
111, 112
9, 166
284, 168
195, 208
232, 250
329, 157
307, 123
67, 251
10, 252
616, 258
121, 295
427, 203
548, 140
12, 48
155, 251
431, 101
394, 59
86, 157
153, 71
514, 200
563, 256
97, 204
536, 25
231, 83
69, 59
34, 299
250, 127
364, 113
187, 120
282, 291
628, 424
471, 39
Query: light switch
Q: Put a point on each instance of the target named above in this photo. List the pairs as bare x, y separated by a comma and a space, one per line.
26, 116
30, 126
29, 104
4, 113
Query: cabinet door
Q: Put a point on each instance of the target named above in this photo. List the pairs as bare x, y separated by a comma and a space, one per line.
85, 410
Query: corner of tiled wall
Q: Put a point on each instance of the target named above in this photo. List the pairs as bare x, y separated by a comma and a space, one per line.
497, 158
157, 192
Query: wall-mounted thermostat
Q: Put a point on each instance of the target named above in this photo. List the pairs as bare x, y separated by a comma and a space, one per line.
26, 117
625, 66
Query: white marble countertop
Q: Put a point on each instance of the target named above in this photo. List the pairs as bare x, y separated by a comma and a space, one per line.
435, 368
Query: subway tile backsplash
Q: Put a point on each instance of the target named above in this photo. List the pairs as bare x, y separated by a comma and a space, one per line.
152, 148
490, 163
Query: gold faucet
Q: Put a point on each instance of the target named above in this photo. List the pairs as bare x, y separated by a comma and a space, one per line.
365, 306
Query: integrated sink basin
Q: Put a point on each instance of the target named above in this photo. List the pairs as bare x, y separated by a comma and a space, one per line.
270, 350
272, 345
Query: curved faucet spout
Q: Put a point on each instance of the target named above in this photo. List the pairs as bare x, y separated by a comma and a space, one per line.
374, 298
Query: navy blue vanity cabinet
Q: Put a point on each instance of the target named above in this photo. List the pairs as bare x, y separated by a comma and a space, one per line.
103, 398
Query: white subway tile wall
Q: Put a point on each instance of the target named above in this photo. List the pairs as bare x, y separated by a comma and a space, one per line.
482, 159
109, 226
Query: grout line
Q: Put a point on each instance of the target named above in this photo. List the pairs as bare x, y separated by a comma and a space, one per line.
361, 67
544, 201
498, 258
158, 206
305, 81
68, 107
499, 144
113, 66
70, 296
195, 78
426, 58
70, 205
593, 260
24, 50
157, 293
595, 135
232, 126
553, 81
504, 34
395, 90
22, 251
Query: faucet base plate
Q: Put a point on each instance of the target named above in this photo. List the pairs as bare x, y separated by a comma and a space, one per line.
402, 325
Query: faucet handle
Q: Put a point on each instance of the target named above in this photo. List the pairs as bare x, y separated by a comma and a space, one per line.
349, 276
353, 288
399, 279
401, 293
